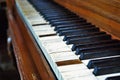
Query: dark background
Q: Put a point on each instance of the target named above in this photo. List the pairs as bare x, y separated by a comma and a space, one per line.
8, 71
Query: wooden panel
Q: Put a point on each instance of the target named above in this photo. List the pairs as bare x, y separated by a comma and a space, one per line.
30, 60
103, 13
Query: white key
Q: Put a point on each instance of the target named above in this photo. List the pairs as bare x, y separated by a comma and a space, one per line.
62, 37
64, 56
45, 32
28, 9
103, 77
70, 46
70, 72
56, 47
32, 14
42, 27
50, 39
37, 20
88, 77
42, 30
54, 44
33, 19
72, 67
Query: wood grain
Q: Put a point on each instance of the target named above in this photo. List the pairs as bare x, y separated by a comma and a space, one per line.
30, 60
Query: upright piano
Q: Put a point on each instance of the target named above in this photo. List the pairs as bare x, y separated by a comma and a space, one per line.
65, 39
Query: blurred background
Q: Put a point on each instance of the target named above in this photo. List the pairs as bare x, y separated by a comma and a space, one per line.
8, 69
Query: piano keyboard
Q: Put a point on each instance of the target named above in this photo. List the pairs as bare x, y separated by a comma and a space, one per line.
74, 48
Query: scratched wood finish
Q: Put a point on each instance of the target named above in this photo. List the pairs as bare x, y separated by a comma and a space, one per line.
30, 61
103, 13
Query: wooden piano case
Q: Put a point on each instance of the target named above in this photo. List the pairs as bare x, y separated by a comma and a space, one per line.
105, 14
29, 58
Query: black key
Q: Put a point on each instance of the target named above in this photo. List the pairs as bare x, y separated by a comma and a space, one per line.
99, 53
103, 62
60, 17
79, 31
82, 35
55, 16
65, 19
69, 18
101, 46
57, 8
53, 9
106, 70
113, 78
67, 22
47, 12
88, 39
94, 43
46, 9
49, 7
76, 27
71, 25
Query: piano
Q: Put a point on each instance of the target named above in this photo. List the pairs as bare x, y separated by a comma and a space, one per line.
65, 39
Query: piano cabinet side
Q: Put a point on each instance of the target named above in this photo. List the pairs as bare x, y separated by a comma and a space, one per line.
103, 13
30, 60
